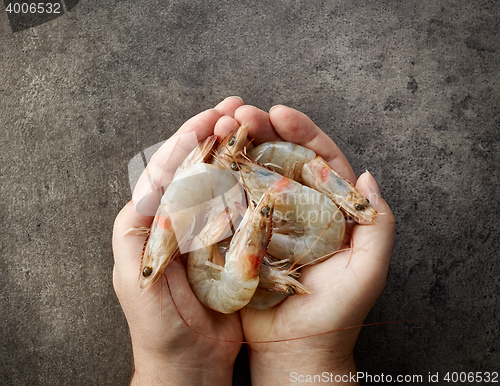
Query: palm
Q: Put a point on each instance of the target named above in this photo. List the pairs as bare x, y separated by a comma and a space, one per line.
341, 285
168, 315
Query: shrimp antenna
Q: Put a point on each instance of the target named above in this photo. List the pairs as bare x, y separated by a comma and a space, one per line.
314, 261
142, 256
350, 254
245, 147
241, 175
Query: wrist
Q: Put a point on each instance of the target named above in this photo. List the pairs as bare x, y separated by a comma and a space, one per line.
151, 369
170, 375
275, 368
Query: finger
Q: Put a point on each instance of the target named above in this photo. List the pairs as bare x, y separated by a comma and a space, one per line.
229, 105
159, 171
164, 162
296, 127
202, 124
259, 126
127, 247
224, 126
374, 241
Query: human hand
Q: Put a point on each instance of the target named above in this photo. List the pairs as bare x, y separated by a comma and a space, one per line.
166, 350
345, 287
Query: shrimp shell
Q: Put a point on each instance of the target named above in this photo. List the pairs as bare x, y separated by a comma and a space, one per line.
308, 225
230, 287
303, 165
197, 191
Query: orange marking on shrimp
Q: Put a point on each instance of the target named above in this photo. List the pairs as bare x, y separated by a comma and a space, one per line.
283, 184
324, 172
164, 223
255, 262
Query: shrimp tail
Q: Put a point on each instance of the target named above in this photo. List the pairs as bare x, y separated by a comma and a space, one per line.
201, 154
274, 278
286, 285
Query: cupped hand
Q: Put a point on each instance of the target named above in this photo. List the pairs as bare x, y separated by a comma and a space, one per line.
165, 348
345, 287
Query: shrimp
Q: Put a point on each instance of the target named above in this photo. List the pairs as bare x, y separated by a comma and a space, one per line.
227, 287
276, 283
307, 224
276, 277
180, 209
231, 146
263, 299
303, 165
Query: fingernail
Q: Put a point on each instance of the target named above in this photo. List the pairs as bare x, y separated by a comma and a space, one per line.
372, 184
234, 96
215, 109
241, 107
274, 107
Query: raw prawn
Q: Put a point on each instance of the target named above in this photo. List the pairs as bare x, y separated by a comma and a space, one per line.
231, 146
276, 280
275, 276
228, 286
303, 165
263, 299
307, 224
181, 206
276, 283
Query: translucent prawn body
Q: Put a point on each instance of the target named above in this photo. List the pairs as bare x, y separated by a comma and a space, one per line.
294, 217
303, 165
308, 226
229, 286
196, 194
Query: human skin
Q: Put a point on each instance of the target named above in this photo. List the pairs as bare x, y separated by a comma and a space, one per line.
165, 350
345, 287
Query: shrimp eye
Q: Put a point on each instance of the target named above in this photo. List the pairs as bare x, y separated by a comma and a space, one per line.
265, 211
147, 271
232, 141
359, 206
234, 166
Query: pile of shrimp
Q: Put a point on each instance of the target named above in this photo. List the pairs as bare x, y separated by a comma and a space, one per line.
270, 211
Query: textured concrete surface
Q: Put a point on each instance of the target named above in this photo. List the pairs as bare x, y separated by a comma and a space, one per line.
408, 90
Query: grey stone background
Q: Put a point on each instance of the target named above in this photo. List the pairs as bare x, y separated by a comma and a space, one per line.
408, 90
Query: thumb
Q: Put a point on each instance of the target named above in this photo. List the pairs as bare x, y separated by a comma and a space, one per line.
375, 240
